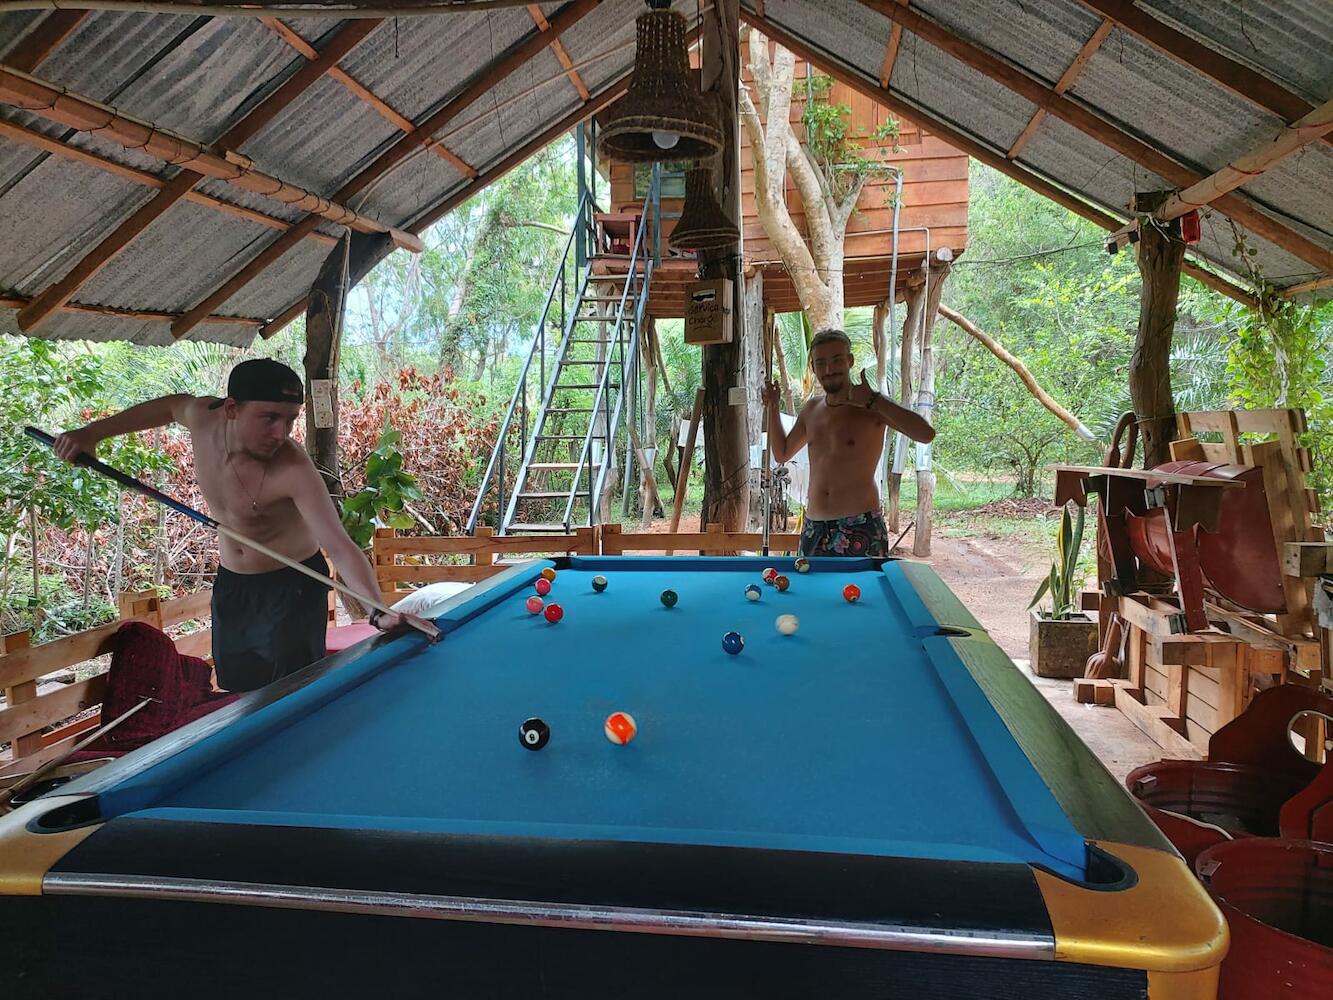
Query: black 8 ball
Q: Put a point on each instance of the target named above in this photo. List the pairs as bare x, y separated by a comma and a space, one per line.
534, 734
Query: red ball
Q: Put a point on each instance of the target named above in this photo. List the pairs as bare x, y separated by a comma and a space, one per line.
554, 613
534, 604
851, 593
543, 586
620, 728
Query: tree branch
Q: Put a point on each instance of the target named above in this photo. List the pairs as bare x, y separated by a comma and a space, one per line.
1020, 370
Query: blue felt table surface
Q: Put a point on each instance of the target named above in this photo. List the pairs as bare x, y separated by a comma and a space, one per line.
861, 733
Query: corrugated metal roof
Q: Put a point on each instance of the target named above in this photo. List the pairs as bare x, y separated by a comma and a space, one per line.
200, 75
1149, 95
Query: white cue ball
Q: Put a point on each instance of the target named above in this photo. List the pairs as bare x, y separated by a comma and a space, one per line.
788, 624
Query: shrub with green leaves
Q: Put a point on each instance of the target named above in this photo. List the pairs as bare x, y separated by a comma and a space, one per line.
380, 503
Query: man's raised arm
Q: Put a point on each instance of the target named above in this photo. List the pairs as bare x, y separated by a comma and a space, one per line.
145, 416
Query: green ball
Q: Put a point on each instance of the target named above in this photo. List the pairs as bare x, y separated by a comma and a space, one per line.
669, 598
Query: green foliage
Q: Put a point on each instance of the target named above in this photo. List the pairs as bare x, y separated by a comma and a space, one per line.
55, 386
1035, 277
380, 503
1277, 356
1065, 579
845, 154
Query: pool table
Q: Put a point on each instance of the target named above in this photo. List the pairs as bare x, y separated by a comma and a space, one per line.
878, 805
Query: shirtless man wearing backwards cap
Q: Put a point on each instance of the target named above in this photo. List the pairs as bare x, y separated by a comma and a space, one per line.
268, 619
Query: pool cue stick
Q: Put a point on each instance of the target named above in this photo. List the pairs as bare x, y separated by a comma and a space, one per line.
28, 780
129, 482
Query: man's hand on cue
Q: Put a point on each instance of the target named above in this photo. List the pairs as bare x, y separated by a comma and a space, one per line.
72, 444
860, 394
399, 620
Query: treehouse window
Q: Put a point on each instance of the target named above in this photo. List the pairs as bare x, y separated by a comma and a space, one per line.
673, 179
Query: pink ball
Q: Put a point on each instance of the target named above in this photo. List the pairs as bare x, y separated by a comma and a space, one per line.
543, 586
534, 605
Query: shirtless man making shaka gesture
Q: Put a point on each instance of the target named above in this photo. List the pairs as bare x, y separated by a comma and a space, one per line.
845, 431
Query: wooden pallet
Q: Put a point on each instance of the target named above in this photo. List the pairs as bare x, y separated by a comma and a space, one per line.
1181, 688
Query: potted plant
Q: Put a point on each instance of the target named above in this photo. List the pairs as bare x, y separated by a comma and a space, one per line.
1061, 640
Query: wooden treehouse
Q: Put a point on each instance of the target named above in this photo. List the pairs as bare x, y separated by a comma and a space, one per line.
932, 214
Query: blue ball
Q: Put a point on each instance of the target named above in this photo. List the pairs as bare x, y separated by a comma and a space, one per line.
752, 592
733, 642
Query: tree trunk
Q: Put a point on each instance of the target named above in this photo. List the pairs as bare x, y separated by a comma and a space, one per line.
32, 535
117, 578
726, 454
914, 297
1159, 258
756, 373
925, 396
648, 351
343, 268
784, 380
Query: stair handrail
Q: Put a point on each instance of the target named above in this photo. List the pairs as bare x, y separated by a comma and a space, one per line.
613, 419
582, 221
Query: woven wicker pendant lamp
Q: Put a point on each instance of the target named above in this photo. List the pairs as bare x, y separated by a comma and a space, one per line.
662, 117
703, 224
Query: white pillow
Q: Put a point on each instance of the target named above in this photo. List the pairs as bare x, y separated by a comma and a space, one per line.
423, 602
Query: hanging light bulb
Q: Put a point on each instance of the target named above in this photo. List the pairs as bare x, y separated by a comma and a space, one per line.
663, 109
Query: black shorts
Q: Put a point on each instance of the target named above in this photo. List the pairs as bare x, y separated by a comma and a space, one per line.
267, 625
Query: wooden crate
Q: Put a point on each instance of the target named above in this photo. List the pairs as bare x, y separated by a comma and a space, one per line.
1181, 689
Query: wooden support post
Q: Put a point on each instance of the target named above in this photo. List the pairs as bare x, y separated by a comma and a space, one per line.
345, 266
726, 450
925, 401
686, 461
914, 297
1159, 258
754, 375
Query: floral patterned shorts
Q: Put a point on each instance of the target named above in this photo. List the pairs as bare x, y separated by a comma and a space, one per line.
856, 535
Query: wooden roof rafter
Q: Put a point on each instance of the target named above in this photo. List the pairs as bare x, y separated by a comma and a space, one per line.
890, 49
365, 94
990, 156
1134, 149
44, 39
539, 19
39, 140
612, 92
53, 103
395, 154
1236, 77
147, 315
1291, 139
1066, 80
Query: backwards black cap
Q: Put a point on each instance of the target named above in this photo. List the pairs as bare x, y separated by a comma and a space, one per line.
263, 380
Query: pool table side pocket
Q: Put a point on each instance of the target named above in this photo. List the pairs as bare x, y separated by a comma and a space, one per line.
1098, 806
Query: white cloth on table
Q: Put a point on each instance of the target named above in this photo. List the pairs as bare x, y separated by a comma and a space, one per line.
421, 602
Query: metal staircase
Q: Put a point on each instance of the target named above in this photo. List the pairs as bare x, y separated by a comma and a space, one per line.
576, 391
